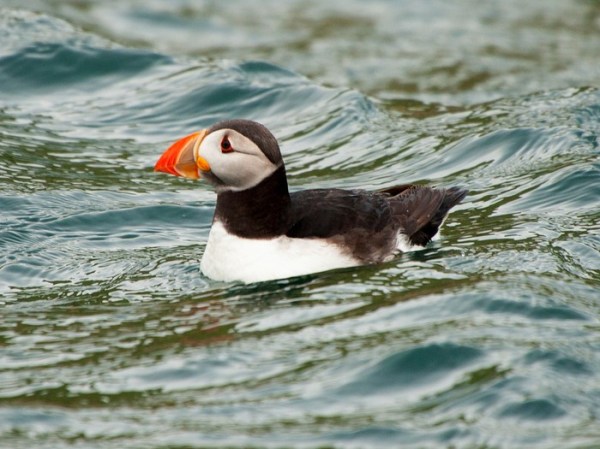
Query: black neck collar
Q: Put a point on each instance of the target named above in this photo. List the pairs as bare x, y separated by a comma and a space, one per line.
259, 212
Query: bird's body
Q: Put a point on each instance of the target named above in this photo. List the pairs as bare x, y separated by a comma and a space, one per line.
260, 231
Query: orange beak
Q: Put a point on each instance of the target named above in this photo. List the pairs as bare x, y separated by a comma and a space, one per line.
182, 158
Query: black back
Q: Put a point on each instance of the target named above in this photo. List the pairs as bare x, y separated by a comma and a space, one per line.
367, 223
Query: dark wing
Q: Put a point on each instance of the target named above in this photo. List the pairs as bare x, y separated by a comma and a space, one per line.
420, 210
324, 213
360, 223
366, 224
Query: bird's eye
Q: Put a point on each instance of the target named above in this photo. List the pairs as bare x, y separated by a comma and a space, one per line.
226, 146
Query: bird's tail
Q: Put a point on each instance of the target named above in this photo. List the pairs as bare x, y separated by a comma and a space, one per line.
420, 211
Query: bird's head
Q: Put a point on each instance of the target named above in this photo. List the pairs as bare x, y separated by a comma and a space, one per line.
232, 155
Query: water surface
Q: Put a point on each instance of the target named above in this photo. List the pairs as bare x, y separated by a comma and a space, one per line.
110, 337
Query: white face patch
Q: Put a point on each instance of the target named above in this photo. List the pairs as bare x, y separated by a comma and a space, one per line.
240, 169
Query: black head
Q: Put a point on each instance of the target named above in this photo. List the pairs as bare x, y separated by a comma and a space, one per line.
257, 133
237, 154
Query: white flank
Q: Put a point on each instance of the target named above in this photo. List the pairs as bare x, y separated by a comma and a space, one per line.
231, 258
404, 245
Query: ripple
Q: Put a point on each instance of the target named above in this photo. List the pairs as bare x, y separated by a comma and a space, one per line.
569, 188
70, 69
73, 243
561, 363
534, 409
413, 368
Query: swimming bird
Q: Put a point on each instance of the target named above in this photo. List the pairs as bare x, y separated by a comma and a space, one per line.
261, 231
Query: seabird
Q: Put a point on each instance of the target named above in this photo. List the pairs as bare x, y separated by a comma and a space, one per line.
261, 231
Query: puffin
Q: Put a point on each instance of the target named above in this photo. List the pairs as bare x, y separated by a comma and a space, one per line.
261, 231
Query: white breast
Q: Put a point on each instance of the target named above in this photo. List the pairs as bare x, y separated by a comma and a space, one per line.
231, 258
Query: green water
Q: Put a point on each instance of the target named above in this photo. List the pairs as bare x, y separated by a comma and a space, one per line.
110, 337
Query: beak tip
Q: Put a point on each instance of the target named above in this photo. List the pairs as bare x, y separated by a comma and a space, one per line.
178, 159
